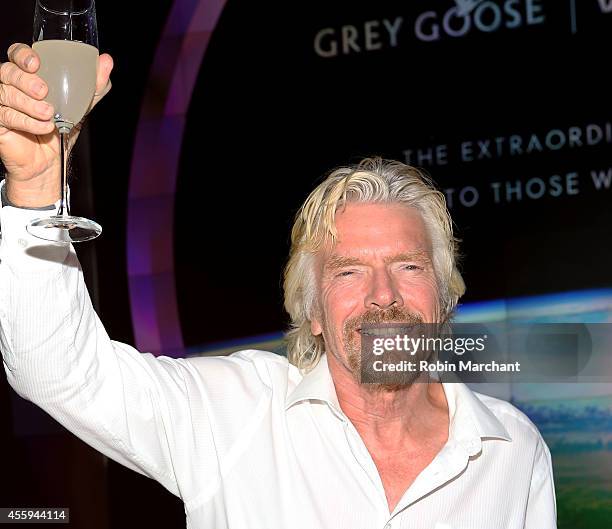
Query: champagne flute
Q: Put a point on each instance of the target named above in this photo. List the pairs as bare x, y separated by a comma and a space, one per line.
66, 40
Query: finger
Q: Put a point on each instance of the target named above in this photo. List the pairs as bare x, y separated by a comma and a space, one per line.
13, 120
24, 57
103, 82
29, 83
105, 67
13, 98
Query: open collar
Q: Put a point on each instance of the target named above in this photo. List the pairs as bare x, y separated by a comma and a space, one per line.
318, 385
470, 420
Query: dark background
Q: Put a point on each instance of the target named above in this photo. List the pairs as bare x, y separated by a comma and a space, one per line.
267, 120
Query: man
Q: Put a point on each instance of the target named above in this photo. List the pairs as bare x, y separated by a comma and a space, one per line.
253, 440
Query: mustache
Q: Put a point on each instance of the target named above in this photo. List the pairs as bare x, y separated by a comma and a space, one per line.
391, 315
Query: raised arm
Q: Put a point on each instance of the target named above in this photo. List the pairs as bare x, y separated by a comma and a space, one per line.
139, 410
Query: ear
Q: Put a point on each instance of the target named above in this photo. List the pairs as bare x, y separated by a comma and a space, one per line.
315, 327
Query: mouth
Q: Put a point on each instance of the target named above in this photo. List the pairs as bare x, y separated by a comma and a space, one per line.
383, 331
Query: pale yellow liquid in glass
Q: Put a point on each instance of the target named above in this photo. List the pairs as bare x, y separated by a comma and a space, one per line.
69, 68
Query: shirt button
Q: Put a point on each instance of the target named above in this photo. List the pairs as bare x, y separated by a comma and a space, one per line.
22, 242
388, 526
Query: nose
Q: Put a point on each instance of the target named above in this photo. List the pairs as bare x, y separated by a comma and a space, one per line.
383, 292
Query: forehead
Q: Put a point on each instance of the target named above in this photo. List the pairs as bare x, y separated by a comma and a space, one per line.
379, 229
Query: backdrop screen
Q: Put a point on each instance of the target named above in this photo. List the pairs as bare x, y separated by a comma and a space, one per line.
502, 102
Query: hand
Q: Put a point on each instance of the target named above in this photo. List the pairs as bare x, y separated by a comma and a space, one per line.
29, 142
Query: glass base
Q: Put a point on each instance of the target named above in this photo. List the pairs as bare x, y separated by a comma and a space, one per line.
72, 229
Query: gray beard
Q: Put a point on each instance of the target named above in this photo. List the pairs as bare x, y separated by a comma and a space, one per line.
352, 347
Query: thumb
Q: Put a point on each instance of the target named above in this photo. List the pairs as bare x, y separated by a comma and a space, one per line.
103, 83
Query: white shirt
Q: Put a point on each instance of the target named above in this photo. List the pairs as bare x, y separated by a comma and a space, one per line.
247, 441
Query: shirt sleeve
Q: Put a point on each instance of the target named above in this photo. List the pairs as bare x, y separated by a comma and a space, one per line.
138, 409
541, 505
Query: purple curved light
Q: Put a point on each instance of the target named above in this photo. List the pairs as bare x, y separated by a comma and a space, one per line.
157, 148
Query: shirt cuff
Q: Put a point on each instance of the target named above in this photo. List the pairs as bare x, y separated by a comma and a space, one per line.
21, 250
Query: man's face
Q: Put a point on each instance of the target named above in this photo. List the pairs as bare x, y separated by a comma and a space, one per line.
379, 270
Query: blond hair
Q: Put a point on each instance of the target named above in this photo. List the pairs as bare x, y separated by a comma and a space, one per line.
373, 180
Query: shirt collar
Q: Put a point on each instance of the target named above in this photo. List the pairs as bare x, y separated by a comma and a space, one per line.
469, 418
317, 384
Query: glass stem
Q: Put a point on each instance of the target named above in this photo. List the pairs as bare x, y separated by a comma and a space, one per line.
64, 208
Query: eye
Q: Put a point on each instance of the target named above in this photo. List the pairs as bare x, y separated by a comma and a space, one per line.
345, 273
412, 267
